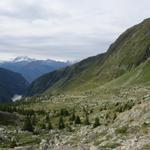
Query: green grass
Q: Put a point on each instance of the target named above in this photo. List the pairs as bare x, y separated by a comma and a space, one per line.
26, 138
121, 130
137, 76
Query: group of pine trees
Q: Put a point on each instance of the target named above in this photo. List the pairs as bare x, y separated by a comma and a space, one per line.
30, 120
76, 120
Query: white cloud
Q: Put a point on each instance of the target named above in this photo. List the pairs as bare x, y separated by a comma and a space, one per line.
65, 29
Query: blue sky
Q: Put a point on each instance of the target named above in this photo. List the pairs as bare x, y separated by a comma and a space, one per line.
65, 29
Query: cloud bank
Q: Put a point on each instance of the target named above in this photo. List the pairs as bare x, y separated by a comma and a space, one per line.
65, 29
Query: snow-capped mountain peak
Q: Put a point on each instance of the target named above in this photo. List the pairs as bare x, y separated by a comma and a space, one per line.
23, 58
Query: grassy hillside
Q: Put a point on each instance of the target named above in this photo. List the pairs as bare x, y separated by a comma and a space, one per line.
128, 52
74, 75
135, 77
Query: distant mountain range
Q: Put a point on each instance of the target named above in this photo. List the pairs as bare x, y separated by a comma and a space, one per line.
11, 83
125, 63
32, 68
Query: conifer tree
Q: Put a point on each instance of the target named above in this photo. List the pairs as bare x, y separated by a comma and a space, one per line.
28, 124
96, 123
77, 120
47, 118
87, 122
61, 124
50, 127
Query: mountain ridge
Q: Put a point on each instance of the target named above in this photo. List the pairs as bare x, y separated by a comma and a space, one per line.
32, 68
126, 53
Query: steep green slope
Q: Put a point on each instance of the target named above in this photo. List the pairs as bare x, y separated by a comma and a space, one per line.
137, 76
11, 83
73, 76
129, 51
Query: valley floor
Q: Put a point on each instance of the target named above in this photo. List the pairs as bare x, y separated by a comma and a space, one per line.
123, 121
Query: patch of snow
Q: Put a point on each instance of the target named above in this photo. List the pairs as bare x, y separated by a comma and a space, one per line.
16, 97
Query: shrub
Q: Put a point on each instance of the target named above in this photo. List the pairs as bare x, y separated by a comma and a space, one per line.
77, 120
86, 122
64, 112
110, 116
28, 124
96, 123
61, 124
34, 120
50, 126
47, 118
43, 125
123, 106
13, 143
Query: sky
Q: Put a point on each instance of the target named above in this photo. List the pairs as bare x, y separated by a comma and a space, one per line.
65, 29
